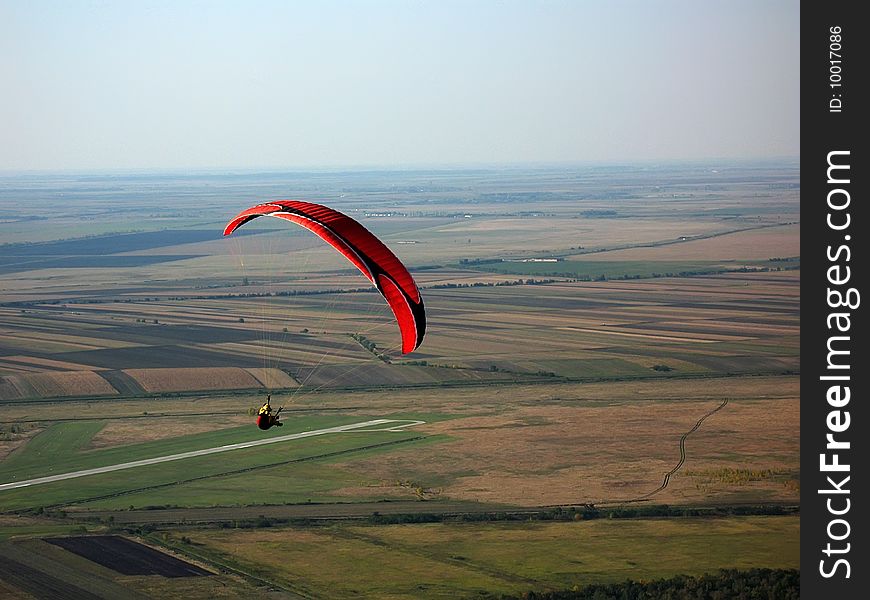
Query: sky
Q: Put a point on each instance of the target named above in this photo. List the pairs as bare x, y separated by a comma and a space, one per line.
284, 84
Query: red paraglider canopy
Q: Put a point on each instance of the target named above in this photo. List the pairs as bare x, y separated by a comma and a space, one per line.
360, 247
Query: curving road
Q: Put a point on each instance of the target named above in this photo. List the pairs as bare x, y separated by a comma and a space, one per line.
161, 459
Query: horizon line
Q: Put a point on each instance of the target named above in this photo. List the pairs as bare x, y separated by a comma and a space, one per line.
359, 168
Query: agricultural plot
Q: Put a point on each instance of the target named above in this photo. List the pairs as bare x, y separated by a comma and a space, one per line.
752, 245
15, 264
369, 374
610, 443
107, 251
18, 579
126, 556
271, 378
57, 449
53, 385
483, 238
159, 357
30, 527
198, 480
36, 568
450, 560
150, 426
177, 379
622, 326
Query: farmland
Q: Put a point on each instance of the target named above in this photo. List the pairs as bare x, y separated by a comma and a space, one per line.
60, 450
443, 560
622, 338
728, 323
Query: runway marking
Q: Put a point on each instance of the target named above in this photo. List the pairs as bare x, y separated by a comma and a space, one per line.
394, 428
194, 453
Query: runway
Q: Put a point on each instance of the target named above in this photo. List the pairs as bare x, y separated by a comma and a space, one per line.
398, 424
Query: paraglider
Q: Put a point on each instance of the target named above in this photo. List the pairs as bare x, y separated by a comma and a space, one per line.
266, 418
361, 248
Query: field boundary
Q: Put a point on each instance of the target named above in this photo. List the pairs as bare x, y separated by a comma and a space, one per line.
234, 568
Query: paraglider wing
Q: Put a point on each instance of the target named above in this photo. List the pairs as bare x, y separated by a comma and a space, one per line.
360, 247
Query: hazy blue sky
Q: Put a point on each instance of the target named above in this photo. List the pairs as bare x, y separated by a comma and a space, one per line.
297, 84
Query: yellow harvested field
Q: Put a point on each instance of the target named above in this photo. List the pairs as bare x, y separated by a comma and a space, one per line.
54, 384
202, 378
122, 432
273, 378
610, 442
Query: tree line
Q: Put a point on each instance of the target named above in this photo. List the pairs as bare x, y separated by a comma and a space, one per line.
752, 584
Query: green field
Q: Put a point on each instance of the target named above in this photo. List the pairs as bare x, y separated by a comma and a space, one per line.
40, 529
310, 476
279, 473
450, 560
59, 448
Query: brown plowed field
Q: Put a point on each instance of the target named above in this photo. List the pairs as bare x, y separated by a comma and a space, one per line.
126, 556
31, 583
